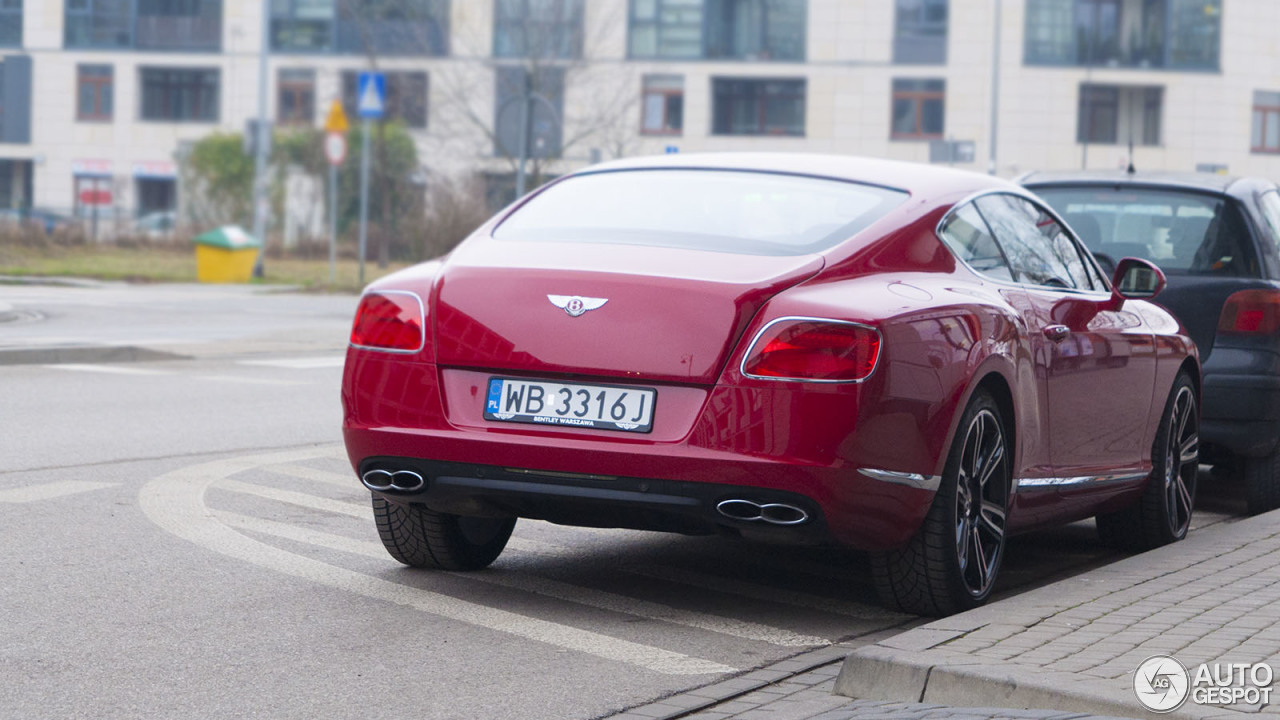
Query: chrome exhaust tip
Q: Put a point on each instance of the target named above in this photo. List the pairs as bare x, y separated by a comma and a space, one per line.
772, 513
393, 480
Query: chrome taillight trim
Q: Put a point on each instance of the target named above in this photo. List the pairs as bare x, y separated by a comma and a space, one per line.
422, 324
742, 366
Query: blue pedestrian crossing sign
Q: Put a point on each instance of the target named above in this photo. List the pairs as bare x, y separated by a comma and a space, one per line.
371, 95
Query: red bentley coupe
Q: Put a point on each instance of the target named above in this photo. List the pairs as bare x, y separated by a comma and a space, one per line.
915, 361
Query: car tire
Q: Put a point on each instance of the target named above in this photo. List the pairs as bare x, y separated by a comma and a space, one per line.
1262, 482
1162, 514
422, 538
936, 573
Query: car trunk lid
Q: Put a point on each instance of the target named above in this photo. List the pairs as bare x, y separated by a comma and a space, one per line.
660, 314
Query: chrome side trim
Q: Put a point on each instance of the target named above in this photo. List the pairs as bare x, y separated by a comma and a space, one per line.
915, 480
422, 313
1053, 482
742, 366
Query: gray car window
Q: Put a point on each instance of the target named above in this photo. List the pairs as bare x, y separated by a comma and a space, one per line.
967, 235
1269, 202
1038, 249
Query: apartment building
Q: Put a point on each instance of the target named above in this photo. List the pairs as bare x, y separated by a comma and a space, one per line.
98, 98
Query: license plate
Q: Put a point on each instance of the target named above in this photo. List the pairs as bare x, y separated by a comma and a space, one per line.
599, 407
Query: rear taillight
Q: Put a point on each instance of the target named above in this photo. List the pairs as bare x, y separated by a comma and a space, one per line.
813, 349
391, 320
1251, 312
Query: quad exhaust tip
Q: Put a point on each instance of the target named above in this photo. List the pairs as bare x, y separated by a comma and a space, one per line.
772, 513
397, 480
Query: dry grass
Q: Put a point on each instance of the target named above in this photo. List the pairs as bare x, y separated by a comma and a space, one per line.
172, 264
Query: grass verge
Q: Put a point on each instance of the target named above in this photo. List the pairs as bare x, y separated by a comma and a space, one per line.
165, 264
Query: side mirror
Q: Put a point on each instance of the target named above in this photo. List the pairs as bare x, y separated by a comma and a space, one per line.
1135, 279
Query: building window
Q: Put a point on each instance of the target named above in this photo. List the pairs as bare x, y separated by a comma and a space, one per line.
1181, 34
1110, 114
662, 106
1266, 121
179, 25
537, 29
10, 23
99, 24
381, 27
720, 29
296, 97
920, 32
179, 94
755, 29
93, 93
406, 99
545, 90
757, 107
156, 195
144, 24
919, 109
302, 25
666, 29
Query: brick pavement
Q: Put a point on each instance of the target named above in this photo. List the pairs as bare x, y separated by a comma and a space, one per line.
1075, 644
1070, 648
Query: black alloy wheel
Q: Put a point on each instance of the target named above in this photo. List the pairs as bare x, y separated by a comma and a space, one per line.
982, 498
1181, 462
1162, 514
951, 563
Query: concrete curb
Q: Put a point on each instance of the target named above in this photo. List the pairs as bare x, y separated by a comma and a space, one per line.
919, 666
83, 354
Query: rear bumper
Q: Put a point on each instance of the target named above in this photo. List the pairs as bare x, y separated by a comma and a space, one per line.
595, 501
763, 444
1241, 410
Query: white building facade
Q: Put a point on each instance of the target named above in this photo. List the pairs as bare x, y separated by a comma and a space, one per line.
99, 97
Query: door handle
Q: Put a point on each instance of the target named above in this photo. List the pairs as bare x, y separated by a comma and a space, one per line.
1057, 333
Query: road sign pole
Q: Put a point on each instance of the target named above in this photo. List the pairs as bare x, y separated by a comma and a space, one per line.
364, 193
333, 224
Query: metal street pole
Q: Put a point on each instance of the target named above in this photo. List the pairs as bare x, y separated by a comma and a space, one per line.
364, 193
525, 90
260, 159
995, 92
333, 223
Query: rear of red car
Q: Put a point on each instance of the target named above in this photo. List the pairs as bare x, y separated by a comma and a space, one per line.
589, 361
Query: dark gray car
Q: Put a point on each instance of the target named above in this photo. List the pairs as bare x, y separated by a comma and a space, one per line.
1217, 238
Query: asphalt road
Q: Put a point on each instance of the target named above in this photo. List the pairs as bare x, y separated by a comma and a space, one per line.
183, 537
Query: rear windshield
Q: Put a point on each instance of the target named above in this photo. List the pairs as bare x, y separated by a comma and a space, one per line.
747, 213
1182, 232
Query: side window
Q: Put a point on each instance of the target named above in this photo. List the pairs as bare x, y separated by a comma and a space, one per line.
1270, 203
1039, 250
967, 235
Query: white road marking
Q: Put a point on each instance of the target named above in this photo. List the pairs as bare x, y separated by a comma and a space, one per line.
247, 380
761, 592
544, 586
49, 491
292, 497
108, 369
302, 472
175, 502
303, 363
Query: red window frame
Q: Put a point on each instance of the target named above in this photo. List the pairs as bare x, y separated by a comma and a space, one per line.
102, 87
1266, 110
917, 98
666, 95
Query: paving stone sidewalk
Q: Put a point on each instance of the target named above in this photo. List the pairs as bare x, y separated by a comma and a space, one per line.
1076, 644
1070, 649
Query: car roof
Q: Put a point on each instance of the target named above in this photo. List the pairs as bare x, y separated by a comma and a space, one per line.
1211, 182
915, 178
